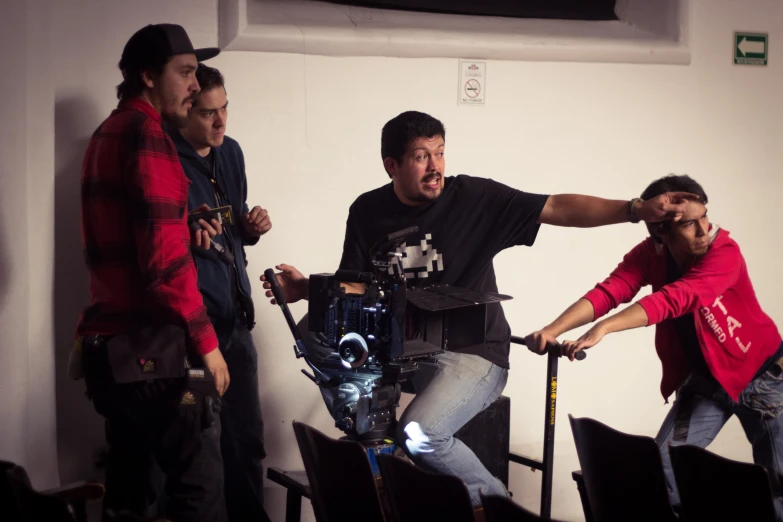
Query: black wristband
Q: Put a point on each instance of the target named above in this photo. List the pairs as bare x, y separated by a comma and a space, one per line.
632, 217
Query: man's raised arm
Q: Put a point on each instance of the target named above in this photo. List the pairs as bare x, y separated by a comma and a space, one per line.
574, 210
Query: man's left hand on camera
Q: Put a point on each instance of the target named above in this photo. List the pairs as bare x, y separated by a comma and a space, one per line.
257, 222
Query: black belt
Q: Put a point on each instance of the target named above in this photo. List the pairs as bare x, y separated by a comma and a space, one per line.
769, 362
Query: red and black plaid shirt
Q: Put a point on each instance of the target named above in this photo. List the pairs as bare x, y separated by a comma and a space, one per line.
134, 230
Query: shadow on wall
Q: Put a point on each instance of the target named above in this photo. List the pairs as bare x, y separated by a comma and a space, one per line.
279, 441
5, 269
79, 428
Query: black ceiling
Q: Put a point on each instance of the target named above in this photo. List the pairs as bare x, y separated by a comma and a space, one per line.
558, 9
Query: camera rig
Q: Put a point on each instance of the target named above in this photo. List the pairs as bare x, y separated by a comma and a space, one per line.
363, 346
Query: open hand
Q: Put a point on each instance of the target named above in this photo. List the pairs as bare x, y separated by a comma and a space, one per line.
216, 364
670, 205
592, 337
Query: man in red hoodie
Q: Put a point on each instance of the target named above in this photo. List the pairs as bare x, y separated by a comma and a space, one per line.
719, 350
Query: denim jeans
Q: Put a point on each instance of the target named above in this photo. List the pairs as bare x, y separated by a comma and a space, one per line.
450, 390
701, 409
242, 439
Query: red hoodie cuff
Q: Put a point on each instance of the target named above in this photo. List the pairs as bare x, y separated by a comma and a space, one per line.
600, 301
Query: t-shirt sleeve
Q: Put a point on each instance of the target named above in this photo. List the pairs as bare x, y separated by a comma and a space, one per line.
355, 256
514, 215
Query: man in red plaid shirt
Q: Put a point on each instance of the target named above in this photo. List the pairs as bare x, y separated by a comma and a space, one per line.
143, 283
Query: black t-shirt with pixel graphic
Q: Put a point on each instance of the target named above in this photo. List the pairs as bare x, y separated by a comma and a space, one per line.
459, 235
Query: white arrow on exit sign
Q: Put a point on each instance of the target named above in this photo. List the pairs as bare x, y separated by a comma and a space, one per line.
745, 46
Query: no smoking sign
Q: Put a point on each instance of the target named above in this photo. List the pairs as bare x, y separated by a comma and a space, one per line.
472, 82
472, 88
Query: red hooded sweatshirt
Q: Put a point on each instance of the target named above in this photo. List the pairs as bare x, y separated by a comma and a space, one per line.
736, 337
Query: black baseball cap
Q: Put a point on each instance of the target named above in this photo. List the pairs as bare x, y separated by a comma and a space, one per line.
153, 45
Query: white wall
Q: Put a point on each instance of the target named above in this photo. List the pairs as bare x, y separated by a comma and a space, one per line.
310, 129
27, 429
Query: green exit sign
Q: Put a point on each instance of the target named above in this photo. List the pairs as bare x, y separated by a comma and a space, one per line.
751, 48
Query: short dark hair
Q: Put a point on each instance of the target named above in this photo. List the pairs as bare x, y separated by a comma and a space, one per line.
208, 78
132, 85
672, 183
399, 132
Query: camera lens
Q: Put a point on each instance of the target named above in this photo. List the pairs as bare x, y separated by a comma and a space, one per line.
353, 350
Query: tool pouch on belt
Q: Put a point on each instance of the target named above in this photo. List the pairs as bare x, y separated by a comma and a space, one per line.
154, 361
200, 403
148, 352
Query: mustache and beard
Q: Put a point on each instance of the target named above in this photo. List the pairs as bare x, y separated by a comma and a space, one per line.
429, 177
176, 112
425, 195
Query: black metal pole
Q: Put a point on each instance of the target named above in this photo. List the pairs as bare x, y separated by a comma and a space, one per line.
550, 402
549, 433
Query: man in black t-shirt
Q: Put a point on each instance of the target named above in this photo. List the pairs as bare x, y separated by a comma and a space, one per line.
463, 223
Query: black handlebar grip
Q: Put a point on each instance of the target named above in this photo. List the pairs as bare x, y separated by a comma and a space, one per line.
579, 356
271, 277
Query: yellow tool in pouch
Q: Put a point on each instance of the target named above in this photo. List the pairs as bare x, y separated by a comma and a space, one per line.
75, 361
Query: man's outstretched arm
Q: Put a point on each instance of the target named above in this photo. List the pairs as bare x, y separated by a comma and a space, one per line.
575, 210
578, 314
621, 286
296, 286
631, 317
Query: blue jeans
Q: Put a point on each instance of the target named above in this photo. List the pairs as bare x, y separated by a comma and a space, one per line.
702, 408
450, 391
242, 438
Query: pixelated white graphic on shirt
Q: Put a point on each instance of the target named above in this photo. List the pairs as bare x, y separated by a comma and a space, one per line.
420, 260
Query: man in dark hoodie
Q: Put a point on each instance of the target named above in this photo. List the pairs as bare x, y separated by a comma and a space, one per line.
215, 165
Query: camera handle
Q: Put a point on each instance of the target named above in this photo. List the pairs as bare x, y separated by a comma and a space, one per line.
299, 347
